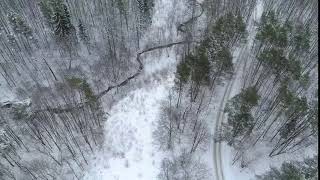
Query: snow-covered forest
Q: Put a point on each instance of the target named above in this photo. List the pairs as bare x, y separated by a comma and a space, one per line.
158, 89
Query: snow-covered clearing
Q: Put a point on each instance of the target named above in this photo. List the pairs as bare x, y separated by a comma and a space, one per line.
129, 151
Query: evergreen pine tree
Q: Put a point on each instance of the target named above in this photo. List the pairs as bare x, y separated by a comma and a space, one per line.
83, 35
221, 62
47, 12
239, 112
306, 170
145, 11
272, 32
200, 66
301, 38
183, 72
63, 28
228, 29
122, 6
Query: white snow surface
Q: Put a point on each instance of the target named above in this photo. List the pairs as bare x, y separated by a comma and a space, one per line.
6, 94
128, 152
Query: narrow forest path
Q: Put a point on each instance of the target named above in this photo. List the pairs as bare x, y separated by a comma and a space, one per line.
128, 152
233, 87
217, 148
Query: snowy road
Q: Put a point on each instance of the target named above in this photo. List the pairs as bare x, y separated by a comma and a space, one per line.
229, 91
217, 146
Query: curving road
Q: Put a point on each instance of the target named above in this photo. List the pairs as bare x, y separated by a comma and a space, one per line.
218, 163
217, 146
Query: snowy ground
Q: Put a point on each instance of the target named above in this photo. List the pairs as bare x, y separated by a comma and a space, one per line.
6, 94
129, 152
